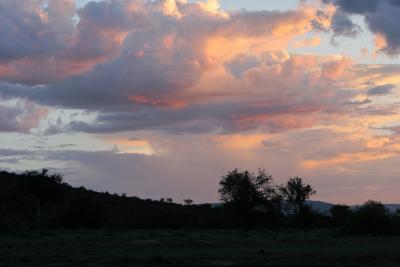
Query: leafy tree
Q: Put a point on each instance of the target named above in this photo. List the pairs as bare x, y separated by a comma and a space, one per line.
268, 193
238, 190
242, 192
371, 218
296, 192
44, 187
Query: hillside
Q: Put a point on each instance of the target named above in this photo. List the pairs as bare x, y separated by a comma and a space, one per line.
35, 199
323, 207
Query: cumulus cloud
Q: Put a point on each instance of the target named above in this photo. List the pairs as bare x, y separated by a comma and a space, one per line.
191, 81
183, 67
164, 65
41, 31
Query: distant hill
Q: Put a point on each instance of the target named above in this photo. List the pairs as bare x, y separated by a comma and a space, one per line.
323, 207
35, 199
320, 206
392, 207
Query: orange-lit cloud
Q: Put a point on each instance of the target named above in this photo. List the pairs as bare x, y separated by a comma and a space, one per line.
172, 104
336, 69
348, 159
314, 41
242, 142
132, 145
196, 81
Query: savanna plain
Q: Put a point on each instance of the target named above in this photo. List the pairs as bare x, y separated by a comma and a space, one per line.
196, 248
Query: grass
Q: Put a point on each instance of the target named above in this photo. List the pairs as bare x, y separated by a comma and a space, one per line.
196, 248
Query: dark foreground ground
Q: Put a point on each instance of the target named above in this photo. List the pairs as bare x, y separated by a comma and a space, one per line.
196, 248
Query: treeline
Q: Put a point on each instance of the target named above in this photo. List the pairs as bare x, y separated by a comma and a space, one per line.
37, 199
253, 200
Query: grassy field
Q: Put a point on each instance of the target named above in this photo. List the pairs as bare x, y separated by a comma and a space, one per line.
196, 248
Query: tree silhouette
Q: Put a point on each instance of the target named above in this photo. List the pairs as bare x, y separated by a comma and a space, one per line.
188, 202
296, 192
371, 218
238, 191
339, 214
267, 193
247, 195
43, 187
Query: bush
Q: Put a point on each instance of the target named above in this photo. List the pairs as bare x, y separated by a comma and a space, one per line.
370, 219
339, 215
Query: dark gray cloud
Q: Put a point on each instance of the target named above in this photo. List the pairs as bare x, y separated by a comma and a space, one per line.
381, 16
14, 152
13, 156
381, 90
357, 6
343, 25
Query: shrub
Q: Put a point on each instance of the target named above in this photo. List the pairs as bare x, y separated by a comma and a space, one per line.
371, 218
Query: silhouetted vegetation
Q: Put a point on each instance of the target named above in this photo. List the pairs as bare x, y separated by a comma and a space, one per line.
340, 214
37, 199
295, 192
371, 218
250, 198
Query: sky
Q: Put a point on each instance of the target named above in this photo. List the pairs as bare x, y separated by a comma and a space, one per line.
161, 98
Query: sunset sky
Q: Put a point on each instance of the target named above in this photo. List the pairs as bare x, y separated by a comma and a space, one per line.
160, 98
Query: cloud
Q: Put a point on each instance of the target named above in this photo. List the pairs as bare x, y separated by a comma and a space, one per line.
343, 25
381, 17
314, 41
181, 67
21, 117
13, 152
192, 82
350, 158
135, 174
357, 6
219, 101
191, 165
381, 90
39, 32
